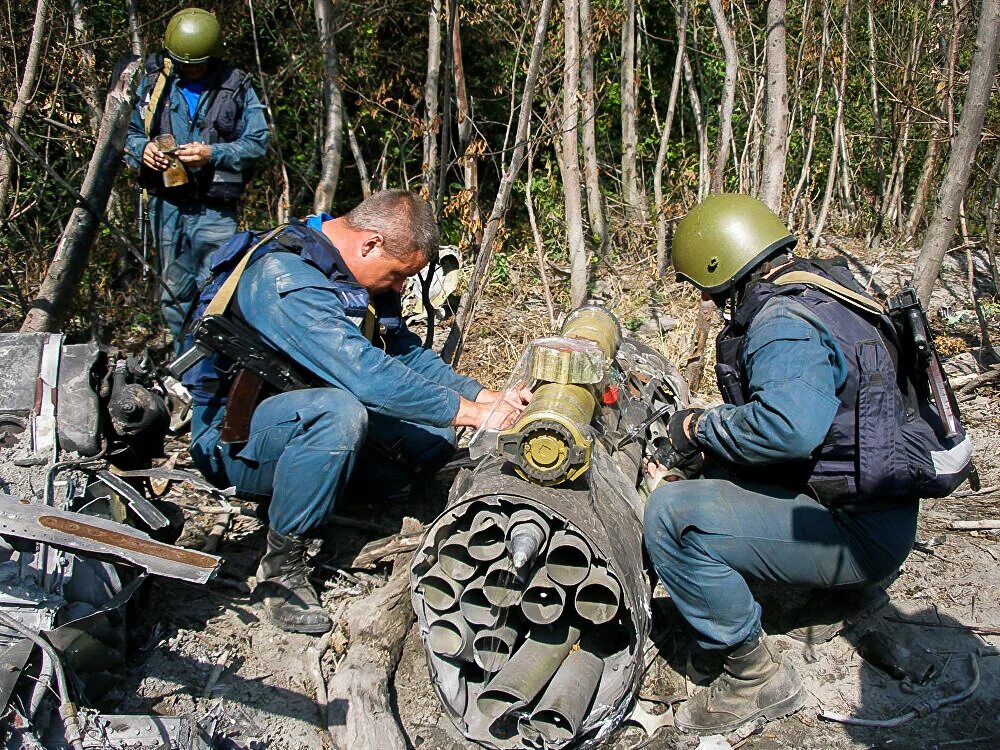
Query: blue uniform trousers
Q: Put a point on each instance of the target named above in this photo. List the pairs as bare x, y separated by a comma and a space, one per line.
304, 448
706, 536
186, 235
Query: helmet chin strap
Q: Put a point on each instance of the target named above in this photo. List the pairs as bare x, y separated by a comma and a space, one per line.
728, 300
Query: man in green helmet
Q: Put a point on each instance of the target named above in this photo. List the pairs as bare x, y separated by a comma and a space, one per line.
217, 123
784, 465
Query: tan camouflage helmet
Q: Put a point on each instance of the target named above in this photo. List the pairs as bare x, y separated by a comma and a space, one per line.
725, 237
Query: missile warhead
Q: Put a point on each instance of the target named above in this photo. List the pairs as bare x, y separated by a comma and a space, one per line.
526, 535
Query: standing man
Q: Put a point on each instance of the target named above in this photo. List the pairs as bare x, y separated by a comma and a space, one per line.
790, 460
323, 298
217, 123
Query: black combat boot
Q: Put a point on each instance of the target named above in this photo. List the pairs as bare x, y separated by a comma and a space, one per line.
754, 684
283, 585
827, 614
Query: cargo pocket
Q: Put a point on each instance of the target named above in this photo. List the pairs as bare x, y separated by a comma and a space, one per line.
882, 468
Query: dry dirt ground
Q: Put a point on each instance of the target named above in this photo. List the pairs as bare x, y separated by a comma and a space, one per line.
264, 695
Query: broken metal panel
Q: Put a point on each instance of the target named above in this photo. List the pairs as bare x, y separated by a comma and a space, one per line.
111, 732
78, 421
21, 355
96, 536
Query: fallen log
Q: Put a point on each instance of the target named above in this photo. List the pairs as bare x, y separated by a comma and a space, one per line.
983, 525
360, 714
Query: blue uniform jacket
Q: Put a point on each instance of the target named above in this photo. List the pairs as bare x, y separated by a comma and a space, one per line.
795, 369
293, 306
236, 156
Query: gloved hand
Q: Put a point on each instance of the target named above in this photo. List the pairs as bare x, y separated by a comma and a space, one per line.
679, 451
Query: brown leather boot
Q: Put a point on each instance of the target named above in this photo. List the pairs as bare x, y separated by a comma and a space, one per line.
283, 586
754, 684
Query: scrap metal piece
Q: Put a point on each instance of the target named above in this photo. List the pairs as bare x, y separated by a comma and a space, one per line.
103, 731
651, 723
598, 597
12, 661
454, 557
440, 590
492, 647
143, 508
96, 536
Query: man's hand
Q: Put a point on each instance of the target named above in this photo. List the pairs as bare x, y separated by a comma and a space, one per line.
678, 456
194, 154
498, 414
518, 395
153, 158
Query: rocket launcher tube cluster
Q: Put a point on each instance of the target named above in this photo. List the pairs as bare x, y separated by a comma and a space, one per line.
538, 556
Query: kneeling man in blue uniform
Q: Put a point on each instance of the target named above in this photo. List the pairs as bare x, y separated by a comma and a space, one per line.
324, 295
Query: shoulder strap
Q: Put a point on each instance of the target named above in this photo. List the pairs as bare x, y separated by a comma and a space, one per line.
225, 294
845, 295
157, 94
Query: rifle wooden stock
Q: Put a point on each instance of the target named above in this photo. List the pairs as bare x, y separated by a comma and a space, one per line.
244, 395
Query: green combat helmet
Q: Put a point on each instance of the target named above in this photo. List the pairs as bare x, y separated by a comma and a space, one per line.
723, 238
193, 36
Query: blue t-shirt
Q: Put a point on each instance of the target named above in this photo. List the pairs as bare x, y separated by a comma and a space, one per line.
192, 91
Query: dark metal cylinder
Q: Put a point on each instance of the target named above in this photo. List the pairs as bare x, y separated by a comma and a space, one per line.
564, 703
568, 559
543, 601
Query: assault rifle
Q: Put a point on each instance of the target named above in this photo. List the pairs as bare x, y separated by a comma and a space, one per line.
256, 363
906, 309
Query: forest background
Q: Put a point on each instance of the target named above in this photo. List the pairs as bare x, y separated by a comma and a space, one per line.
559, 143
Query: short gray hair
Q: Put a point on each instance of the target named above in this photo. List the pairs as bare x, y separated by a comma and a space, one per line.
404, 219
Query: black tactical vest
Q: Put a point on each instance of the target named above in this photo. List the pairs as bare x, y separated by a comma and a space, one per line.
220, 116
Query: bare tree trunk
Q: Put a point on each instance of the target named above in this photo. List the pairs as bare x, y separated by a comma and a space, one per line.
805, 172
85, 74
70, 259
841, 92
470, 160
700, 125
772, 182
947, 106
133, 27
992, 216
631, 191
963, 151
876, 109
571, 159
24, 93
591, 169
537, 236
284, 204
452, 350
431, 122
661, 154
359, 162
333, 100
728, 40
